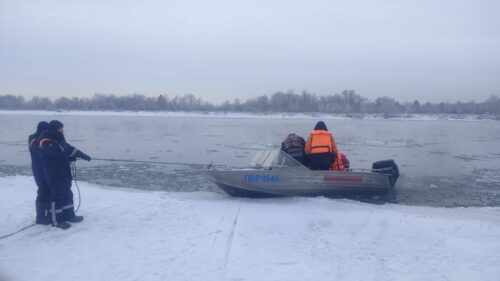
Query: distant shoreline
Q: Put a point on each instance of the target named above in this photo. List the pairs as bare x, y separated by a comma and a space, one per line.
255, 115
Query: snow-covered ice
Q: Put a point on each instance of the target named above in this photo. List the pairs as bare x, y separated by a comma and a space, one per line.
133, 234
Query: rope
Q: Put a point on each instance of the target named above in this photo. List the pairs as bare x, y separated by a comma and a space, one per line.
73, 171
156, 162
17, 231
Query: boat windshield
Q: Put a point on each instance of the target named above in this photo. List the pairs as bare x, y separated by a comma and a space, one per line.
274, 158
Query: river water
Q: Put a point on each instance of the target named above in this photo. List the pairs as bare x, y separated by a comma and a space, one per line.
443, 162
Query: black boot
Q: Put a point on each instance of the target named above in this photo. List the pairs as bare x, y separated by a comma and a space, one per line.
75, 219
56, 216
69, 214
63, 225
41, 213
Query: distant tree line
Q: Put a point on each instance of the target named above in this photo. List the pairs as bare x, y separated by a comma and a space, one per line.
346, 102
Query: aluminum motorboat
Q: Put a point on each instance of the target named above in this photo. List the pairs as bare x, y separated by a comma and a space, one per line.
275, 173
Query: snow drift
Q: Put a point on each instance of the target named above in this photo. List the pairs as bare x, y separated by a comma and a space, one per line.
142, 235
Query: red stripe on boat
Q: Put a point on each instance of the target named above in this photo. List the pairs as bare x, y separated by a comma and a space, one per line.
343, 179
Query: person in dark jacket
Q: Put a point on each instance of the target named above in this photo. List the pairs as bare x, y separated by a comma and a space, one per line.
56, 157
43, 192
294, 145
321, 148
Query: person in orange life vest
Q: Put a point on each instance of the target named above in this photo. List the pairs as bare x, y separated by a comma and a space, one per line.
341, 163
321, 148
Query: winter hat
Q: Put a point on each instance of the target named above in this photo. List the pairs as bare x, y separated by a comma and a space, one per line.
320, 126
42, 126
55, 125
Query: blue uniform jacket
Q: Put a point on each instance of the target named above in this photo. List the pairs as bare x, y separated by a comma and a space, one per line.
36, 159
56, 156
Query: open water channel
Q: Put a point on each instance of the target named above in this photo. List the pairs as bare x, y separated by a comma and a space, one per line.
443, 162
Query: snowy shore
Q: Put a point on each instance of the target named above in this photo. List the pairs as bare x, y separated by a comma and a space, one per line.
141, 235
250, 115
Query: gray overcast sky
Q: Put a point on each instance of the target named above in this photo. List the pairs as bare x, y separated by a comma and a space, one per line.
428, 49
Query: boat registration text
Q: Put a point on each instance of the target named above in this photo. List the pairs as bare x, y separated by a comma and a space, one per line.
262, 178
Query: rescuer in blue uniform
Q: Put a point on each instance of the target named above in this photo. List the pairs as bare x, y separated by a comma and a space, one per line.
56, 156
43, 192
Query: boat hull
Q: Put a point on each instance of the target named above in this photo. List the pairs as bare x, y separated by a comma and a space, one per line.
259, 183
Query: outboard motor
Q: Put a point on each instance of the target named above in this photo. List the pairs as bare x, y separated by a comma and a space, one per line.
387, 167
